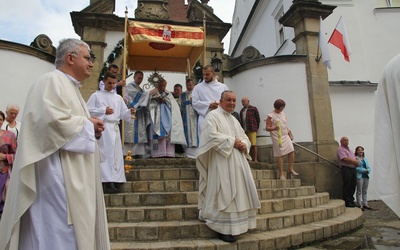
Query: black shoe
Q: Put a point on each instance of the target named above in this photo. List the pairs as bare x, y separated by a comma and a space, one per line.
356, 205
350, 205
366, 207
226, 238
109, 188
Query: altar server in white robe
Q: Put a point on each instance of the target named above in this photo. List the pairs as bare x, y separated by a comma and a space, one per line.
189, 118
206, 94
110, 108
55, 199
386, 136
228, 199
136, 134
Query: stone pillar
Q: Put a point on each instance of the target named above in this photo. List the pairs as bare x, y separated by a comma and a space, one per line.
95, 37
304, 16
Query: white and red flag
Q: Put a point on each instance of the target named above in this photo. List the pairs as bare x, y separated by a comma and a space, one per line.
340, 39
323, 45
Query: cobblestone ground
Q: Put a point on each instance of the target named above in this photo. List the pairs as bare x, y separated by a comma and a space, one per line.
380, 230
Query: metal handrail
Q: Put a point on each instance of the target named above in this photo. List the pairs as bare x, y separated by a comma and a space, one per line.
308, 150
314, 153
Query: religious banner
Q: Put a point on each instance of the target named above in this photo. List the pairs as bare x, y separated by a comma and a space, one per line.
163, 47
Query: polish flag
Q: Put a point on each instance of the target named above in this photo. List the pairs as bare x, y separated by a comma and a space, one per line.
323, 45
340, 39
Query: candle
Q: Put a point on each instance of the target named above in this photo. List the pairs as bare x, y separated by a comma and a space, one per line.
278, 123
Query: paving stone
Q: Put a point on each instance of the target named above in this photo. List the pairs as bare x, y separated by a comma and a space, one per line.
173, 214
187, 186
140, 186
150, 175
171, 174
156, 186
171, 185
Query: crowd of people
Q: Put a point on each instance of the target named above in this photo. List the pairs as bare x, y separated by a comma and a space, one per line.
70, 152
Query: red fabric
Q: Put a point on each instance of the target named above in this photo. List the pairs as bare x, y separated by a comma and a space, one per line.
339, 39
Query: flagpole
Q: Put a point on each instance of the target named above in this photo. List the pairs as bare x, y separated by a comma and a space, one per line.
335, 28
124, 73
205, 39
318, 58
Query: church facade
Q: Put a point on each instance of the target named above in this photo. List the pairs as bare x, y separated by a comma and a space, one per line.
272, 55
273, 49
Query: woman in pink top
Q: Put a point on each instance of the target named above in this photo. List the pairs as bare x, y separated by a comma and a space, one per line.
281, 137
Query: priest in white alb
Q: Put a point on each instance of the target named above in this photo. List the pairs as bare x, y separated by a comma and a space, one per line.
228, 199
110, 108
386, 136
55, 199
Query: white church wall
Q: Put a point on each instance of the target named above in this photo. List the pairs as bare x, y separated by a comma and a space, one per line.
262, 29
370, 31
18, 76
372, 40
240, 14
263, 85
354, 118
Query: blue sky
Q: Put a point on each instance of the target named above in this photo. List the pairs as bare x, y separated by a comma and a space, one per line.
23, 20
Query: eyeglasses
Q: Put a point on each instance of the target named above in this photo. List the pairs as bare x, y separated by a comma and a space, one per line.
90, 58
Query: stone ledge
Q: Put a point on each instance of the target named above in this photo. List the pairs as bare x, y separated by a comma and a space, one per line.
277, 239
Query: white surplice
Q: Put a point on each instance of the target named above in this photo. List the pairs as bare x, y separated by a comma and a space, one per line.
386, 136
49, 207
112, 163
55, 190
204, 94
228, 199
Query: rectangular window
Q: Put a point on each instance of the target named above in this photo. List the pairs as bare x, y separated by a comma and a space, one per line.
280, 27
387, 3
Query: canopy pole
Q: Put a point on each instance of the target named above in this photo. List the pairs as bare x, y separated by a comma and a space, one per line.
188, 67
124, 73
205, 39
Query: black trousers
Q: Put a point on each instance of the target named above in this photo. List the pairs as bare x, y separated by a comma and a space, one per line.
349, 177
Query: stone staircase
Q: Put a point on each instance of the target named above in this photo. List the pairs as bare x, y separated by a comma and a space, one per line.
158, 210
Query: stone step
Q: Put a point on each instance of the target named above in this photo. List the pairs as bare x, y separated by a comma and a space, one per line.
291, 237
190, 212
157, 174
190, 197
195, 229
165, 163
185, 185
274, 193
187, 173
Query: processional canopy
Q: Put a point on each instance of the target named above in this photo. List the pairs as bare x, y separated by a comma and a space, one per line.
164, 47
